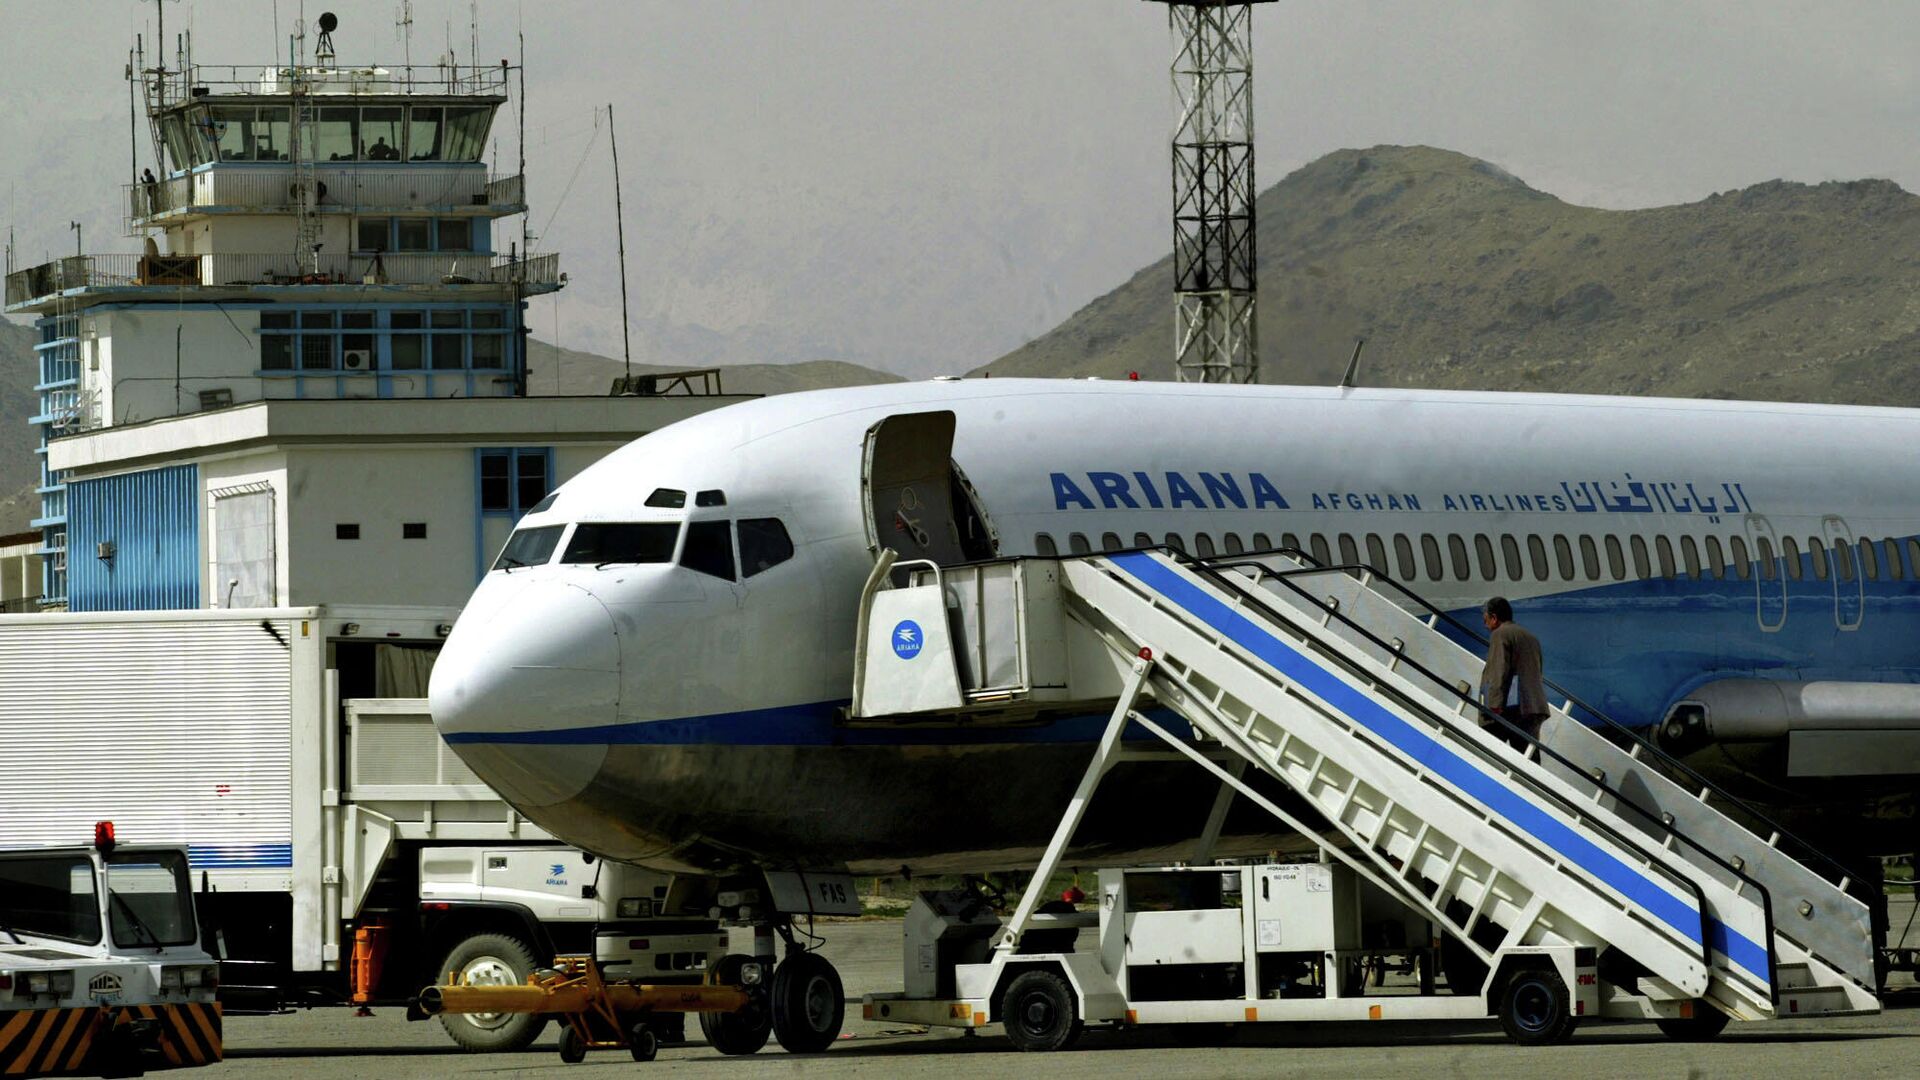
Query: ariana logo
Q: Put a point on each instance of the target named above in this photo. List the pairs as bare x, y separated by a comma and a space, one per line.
906, 639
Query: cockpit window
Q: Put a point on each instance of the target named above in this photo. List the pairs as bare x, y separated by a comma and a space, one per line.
529, 547
596, 542
763, 543
714, 497
667, 498
709, 549
546, 503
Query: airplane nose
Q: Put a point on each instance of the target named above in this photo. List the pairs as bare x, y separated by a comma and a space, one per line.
521, 685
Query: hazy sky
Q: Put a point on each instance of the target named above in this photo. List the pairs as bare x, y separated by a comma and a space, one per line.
922, 186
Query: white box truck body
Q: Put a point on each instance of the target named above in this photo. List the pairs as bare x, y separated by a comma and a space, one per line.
290, 751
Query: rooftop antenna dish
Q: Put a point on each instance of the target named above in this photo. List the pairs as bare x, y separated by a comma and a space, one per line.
323, 51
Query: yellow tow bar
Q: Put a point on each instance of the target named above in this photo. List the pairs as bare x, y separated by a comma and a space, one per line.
600, 1015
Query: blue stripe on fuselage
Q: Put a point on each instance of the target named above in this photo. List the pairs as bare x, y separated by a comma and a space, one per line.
1441, 762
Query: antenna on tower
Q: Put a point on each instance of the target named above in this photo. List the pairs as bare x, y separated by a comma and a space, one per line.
403, 21
1213, 190
323, 49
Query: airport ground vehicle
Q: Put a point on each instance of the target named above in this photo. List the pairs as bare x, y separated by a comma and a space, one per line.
344, 854
1562, 876
102, 968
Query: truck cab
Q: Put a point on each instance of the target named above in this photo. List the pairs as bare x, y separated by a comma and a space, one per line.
102, 966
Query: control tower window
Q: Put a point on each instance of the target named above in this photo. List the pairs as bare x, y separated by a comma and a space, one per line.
234, 131
337, 134
381, 133
466, 133
423, 134
173, 131
270, 135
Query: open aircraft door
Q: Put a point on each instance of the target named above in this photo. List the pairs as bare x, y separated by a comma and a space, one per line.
1849, 588
1769, 574
917, 501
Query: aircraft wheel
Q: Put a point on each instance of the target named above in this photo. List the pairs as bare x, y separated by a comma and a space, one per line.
1040, 1013
742, 1032
1535, 1009
1705, 1023
808, 1003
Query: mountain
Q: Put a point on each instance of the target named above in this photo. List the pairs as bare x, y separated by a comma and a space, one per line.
1459, 275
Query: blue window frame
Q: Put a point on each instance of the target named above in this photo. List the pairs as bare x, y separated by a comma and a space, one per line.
514, 479
385, 339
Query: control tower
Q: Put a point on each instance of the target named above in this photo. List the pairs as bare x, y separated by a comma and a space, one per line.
310, 231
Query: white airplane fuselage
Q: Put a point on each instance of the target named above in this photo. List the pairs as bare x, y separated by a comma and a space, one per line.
661, 713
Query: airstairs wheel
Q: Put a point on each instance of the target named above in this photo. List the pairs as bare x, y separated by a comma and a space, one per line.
1535, 1009
1040, 1013
742, 1032
808, 1003
1705, 1023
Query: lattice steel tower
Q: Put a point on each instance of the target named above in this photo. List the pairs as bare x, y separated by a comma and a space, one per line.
1213, 252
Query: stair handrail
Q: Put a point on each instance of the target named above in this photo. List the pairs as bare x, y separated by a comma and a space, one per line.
1846, 878
1204, 567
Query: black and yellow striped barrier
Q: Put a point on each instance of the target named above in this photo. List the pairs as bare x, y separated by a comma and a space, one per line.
52, 1042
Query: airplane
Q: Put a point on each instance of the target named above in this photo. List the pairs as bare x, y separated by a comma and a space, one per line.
655, 667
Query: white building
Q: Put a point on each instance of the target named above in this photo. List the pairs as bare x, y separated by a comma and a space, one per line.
316, 232
277, 503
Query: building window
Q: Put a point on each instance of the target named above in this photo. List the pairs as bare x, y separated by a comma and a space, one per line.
413, 530
513, 480
443, 339
346, 531
454, 234
373, 234
413, 234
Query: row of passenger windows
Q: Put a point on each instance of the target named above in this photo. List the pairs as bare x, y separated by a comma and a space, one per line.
1556, 557
709, 546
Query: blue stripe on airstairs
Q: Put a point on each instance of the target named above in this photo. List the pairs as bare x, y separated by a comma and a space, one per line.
1441, 762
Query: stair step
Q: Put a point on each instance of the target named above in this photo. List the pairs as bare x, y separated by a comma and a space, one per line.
1792, 976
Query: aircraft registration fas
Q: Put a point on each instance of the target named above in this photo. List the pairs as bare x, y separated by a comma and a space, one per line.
1200, 489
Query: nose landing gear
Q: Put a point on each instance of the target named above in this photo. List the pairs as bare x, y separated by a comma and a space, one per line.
808, 1003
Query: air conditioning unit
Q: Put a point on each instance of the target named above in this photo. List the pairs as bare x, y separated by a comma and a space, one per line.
356, 359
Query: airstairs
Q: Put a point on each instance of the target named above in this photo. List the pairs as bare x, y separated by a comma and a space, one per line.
1342, 687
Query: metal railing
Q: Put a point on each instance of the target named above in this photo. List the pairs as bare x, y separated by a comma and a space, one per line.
341, 189
221, 270
170, 88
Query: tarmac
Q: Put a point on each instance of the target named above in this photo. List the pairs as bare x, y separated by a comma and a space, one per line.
334, 1043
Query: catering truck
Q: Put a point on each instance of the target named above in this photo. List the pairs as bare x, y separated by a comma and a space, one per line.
343, 853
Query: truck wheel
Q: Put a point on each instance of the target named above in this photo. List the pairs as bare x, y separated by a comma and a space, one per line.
1705, 1023
491, 960
743, 1032
1039, 1012
1534, 1008
808, 1003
